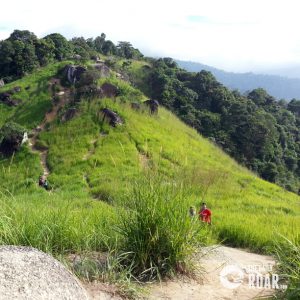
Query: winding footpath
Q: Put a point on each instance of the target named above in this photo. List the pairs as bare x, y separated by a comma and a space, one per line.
63, 98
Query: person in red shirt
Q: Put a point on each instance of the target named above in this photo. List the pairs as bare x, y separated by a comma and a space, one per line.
205, 214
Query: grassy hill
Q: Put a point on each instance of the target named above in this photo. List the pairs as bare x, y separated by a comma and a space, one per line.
94, 167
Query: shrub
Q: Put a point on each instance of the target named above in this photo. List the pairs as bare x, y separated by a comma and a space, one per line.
11, 136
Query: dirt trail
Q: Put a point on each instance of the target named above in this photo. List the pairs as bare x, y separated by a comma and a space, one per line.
92, 150
63, 98
208, 286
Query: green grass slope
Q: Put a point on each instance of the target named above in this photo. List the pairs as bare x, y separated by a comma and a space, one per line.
94, 165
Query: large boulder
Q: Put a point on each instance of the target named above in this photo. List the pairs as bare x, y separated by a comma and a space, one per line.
72, 74
109, 90
2, 83
26, 273
11, 137
111, 117
88, 91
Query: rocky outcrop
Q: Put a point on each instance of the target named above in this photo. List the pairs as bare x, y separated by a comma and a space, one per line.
111, 117
153, 105
73, 73
109, 90
6, 99
26, 273
103, 69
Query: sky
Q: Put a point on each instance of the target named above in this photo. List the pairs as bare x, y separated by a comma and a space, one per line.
240, 36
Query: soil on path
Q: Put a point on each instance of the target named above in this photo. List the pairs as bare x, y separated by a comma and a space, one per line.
62, 98
208, 285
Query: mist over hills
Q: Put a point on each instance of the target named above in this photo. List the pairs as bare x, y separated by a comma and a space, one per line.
277, 86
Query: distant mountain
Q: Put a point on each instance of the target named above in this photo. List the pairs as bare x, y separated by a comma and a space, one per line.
277, 86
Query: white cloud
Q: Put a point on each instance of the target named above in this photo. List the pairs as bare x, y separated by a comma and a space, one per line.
232, 34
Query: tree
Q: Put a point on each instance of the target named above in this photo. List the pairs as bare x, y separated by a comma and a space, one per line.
63, 49
126, 50
109, 48
294, 106
260, 97
270, 172
44, 50
7, 53
81, 47
99, 42
24, 59
24, 36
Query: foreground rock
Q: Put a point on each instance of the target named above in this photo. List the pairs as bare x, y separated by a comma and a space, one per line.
26, 273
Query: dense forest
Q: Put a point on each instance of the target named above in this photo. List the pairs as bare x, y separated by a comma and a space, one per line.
256, 129
278, 86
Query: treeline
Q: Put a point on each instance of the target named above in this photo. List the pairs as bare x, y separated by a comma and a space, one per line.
277, 86
258, 131
23, 52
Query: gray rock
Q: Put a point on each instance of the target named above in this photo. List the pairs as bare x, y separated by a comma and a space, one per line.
26, 273
2, 83
73, 73
111, 117
103, 69
109, 90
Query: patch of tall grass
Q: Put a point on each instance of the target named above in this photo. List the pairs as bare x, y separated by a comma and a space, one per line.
288, 255
159, 235
57, 224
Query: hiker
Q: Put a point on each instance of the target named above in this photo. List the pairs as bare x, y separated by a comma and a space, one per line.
205, 214
46, 186
192, 212
41, 181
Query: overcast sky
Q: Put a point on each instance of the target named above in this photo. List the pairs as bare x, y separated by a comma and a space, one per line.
236, 35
